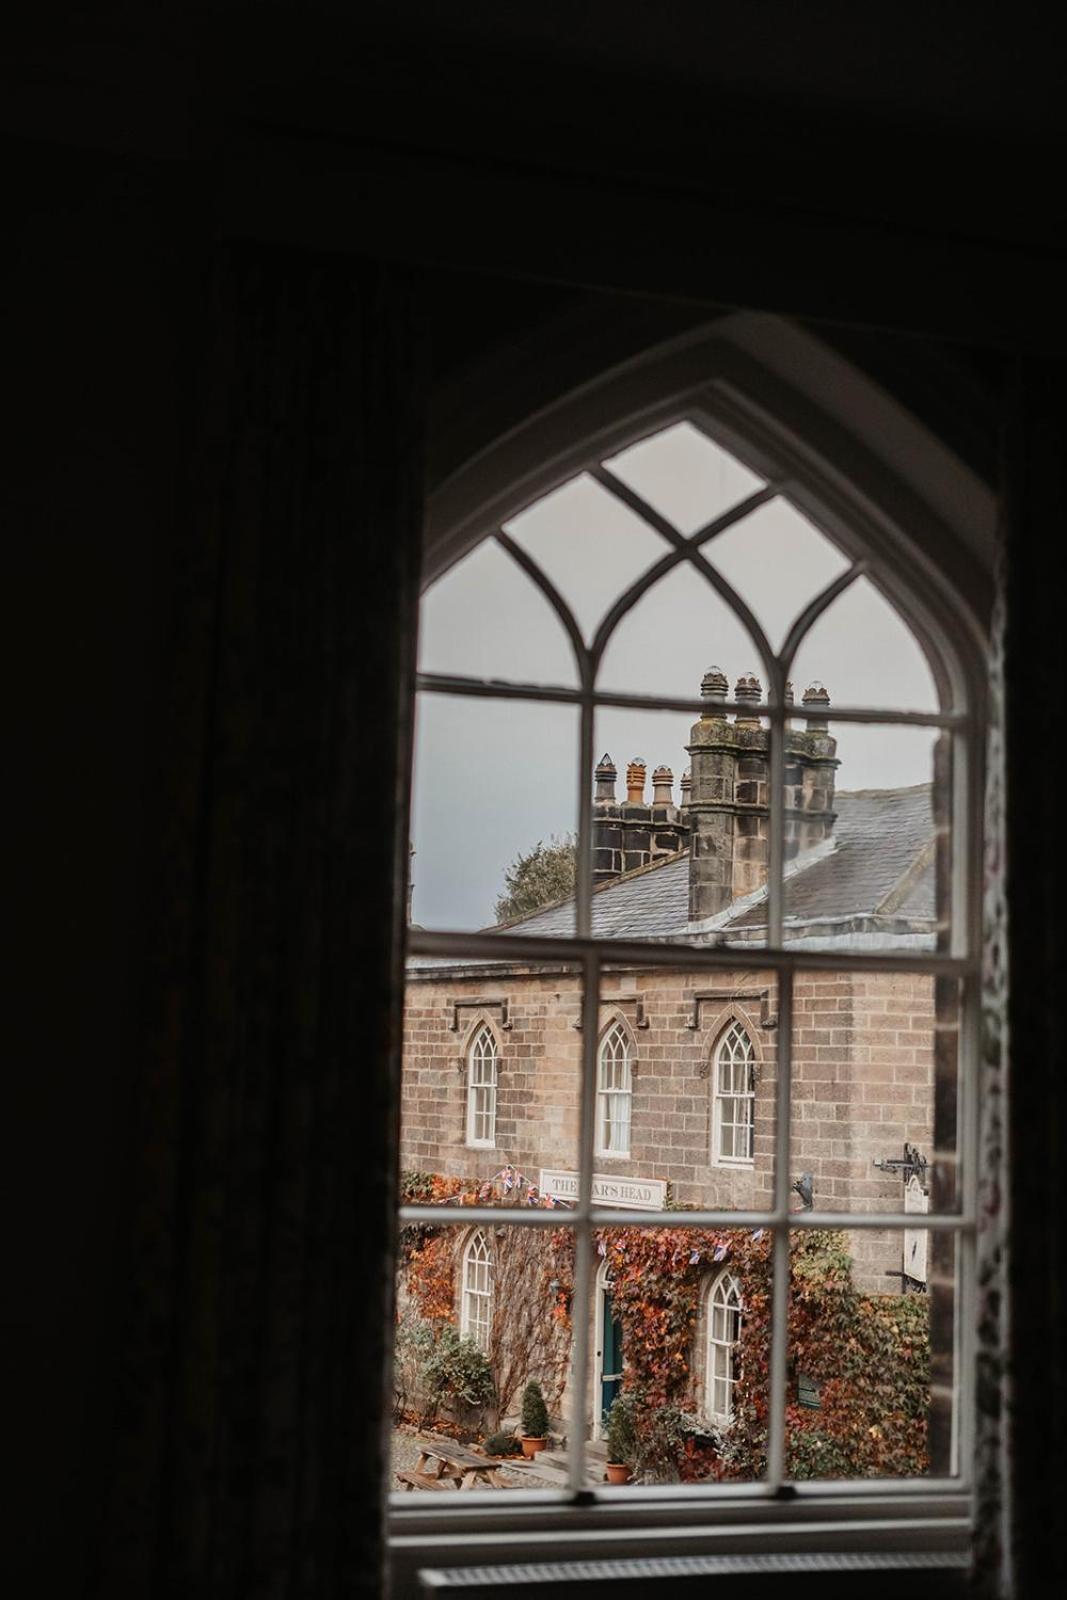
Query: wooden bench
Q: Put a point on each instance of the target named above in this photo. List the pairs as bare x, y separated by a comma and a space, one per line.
423, 1480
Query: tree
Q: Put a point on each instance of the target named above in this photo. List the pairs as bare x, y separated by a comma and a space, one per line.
543, 875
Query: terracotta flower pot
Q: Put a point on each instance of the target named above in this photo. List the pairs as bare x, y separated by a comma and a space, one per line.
530, 1446
618, 1472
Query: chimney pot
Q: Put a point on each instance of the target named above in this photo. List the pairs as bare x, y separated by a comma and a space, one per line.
662, 787
714, 685
605, 779
815, 695
686, 787
748, 687
635, 781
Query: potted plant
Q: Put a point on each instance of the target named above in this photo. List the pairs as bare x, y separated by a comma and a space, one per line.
534, 1419
620, 1435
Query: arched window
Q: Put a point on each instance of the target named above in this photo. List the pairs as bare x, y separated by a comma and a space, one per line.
614, 1093
723, 1332
476, 1311
734, 1103
593, 577
481, 1088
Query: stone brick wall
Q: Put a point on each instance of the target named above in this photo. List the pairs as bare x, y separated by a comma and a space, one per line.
863, 1083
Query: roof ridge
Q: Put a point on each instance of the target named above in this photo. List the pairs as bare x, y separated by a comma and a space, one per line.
881, 794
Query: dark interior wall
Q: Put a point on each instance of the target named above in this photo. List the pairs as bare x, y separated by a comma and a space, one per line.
101, 300
120, 152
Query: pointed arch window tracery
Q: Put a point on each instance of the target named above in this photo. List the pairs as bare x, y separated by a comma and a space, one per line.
614, 1093
724, 1308
874, 539
734, 1104
476, 1310
482, 1062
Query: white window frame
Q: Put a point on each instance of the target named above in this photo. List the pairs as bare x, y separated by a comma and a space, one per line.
483, 1078
857, 465
722, 1305
476, 1290
614, 1092
724, 1099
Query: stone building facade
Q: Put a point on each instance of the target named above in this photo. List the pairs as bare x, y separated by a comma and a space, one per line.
863, 1084
688, 1060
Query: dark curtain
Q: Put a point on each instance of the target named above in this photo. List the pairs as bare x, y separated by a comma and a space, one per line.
1036, 737
248, 1456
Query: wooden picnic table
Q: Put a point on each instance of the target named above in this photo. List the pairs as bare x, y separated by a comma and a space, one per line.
445, 1464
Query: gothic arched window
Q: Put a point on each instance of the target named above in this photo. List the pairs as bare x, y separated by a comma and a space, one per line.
734, 1103
723, 1333
614, 1093
481, 1088
674, 565
476, 1310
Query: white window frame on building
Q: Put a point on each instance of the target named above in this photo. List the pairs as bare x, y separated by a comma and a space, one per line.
731, 1059
483, 1077
614, 1092
476, 1292
905, 510
723, 1310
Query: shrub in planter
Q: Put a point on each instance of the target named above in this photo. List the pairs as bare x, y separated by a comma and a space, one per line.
458, 1372
620, 1436
502, 1444
662, 1436
534, 1419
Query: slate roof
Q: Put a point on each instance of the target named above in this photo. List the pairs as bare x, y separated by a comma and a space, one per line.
881, 844
871, 885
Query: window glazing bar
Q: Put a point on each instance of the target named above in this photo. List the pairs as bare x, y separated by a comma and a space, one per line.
502, 949
780, 1265
600, 1217
501, 689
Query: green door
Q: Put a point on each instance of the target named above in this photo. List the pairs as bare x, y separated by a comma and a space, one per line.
611, 1353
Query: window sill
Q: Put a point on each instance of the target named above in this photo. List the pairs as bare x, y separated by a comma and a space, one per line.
659, 1522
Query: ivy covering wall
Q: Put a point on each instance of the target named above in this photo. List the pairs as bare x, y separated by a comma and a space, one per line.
858, 1364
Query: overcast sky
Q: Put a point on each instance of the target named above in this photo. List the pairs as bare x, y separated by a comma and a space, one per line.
494, 777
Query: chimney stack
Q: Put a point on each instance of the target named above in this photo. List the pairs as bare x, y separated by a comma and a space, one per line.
729, 799
810, 767
729, 808
634, 833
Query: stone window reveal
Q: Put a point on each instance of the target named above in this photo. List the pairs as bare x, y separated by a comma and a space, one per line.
755, 855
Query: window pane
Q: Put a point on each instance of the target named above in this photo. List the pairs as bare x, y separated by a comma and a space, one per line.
490, 1080
494, 785
665, 780
864, 650
778, 562
872, 1374
868, 837
874, 1093
481, 1313
486, 618
685, 476
676, 1310
588, 544
671, 636
699, 1121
